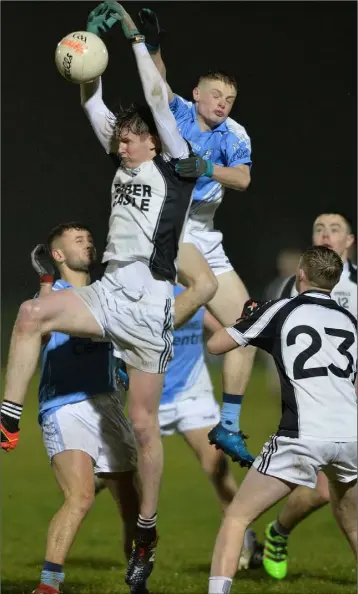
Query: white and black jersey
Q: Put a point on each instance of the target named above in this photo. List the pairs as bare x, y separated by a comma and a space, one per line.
345, 292
314, 344
150, 206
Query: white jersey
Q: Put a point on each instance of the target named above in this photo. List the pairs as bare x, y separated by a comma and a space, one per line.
314, 344
345, 291
150, 204
149, 208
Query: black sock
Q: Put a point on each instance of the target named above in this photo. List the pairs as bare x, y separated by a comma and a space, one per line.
278, 530
10, 413
146, 528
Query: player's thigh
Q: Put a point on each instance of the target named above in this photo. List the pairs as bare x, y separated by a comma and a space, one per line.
192, 266
144, 393
257, 493
62, 311
73, 470
322, 486
229, 298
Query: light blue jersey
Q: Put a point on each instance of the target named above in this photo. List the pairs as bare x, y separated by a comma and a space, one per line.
73, 369
188, 361
227, 145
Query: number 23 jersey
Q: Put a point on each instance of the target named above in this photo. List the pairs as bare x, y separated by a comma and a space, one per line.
314, 344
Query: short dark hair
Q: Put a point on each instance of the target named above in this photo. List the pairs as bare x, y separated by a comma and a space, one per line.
59, 230
339, 213
138, 119
322, 267
224, 77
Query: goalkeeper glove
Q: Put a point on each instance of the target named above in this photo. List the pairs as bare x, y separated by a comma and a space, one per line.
194, 166
101, 19
128, 26
10, 414
151, 29
41, 262
249, 307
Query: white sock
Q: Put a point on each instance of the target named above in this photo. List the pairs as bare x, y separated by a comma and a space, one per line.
219, 585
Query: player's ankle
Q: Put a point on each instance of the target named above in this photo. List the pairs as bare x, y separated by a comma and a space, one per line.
277, 529
52, 576
219, 585
146, 530
230, 412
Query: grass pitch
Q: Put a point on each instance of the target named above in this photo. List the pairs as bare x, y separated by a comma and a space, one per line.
320, 560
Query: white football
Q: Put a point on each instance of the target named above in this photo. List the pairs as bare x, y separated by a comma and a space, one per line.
81, 57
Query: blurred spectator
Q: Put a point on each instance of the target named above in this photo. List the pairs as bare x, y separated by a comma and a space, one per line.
286, 264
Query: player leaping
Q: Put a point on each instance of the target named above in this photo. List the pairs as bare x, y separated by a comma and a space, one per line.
132, 304
223, 160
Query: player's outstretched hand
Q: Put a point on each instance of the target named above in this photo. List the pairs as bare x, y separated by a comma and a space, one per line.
128, 25
194, 166
101, 19
150, 28
249, 307
41, 261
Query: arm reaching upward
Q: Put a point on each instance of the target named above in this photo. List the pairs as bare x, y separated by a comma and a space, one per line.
154, 88
101, 118
152, 32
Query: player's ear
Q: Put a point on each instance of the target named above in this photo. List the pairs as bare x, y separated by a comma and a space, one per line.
350, 241
196, 94
57, 255
155, 143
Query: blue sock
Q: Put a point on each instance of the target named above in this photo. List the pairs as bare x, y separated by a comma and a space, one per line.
230, 412
52, 575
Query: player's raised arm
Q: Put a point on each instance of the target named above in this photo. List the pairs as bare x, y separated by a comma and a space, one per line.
154, 88
101, 118
151, 30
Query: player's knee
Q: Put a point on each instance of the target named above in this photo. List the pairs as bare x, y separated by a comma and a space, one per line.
214, 465
81, 501
145, 426
206, 286
29, 317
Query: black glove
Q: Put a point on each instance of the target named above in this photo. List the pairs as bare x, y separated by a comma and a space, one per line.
249, 307
42, 263
151, 29
194, 166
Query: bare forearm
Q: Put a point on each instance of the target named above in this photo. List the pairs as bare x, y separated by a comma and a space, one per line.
235, 178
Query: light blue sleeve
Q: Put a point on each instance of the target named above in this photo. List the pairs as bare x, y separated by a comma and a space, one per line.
180, 108
237, 145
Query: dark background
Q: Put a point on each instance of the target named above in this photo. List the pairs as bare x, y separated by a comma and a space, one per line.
296, 67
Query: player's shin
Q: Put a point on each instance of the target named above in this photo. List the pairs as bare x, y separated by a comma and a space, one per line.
228, 546
24, 352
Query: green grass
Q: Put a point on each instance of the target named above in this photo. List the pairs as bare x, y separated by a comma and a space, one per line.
320, 560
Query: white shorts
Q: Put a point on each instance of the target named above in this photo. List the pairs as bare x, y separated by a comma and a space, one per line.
135, 312
96, 426
198, 410
209, 243
299, 460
